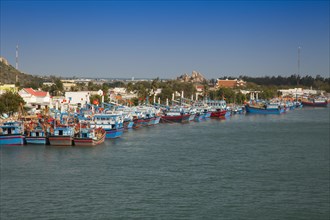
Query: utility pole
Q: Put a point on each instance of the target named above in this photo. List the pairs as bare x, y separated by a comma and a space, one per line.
17, 56
299, 60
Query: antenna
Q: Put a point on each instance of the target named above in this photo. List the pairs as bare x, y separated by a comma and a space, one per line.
299, 60
17, 56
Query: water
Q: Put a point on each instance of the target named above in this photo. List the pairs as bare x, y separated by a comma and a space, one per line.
247, 167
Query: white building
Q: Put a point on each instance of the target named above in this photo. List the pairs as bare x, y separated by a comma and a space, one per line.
81, 97
299, 92
35, 99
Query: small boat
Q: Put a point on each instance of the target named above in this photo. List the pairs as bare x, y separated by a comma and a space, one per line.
315, 102
62, 136
11, 133
89, 137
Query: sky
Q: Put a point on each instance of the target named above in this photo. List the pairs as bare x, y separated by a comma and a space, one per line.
165, 39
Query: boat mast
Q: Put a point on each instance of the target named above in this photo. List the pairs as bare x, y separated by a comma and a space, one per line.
298, 69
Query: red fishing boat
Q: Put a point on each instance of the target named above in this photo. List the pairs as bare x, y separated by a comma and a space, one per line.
315, 102
218, 113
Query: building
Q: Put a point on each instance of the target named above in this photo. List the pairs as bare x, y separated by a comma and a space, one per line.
297, 92
35, 99
68, 84
77, 98
230, 83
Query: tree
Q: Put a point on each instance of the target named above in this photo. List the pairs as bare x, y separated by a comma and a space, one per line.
205, 89
10, 102
95, 99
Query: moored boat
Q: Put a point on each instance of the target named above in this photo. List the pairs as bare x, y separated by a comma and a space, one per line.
11, 133
169, 118
315, 102
36, 136
62, 136
264, 109
89, 137
111, 123
177, 115
218, 113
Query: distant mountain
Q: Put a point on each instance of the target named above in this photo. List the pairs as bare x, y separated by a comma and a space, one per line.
8, 75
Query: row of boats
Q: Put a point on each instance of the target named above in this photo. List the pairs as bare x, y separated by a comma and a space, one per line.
91, 126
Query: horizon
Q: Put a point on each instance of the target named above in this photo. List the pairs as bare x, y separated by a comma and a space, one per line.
165, 39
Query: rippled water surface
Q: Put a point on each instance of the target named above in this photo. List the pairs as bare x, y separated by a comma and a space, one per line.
245, 167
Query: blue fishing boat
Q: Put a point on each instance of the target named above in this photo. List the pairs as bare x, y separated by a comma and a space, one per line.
113, 124
11, 133
264, 109
36, 136
62, 136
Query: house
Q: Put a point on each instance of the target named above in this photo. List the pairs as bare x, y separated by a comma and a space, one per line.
35, 99
230, 83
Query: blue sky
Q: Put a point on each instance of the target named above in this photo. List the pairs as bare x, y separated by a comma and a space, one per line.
166, 38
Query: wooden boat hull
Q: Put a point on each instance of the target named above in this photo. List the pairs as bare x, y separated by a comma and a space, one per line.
176, 118
274, 111
11, 140
36, 140
137, 123
315, 104
114, 133
218, 114
89, 141
60, 140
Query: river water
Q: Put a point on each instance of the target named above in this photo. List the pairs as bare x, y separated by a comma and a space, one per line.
245, 167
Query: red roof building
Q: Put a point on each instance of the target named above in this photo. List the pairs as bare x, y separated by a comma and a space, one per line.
228, 83
35, 97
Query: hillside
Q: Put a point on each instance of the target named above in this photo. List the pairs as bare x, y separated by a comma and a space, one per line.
8, 76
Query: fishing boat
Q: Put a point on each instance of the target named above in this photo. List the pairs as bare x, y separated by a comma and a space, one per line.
111, 123
315, 102
218, 108
89, 136
36, 136
175, 115
264, 108
218, 113
11, 133
62, 135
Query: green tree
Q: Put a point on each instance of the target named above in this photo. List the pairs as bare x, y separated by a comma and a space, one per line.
95, 97
10, 102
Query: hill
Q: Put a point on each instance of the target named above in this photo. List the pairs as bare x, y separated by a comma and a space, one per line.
8, 76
